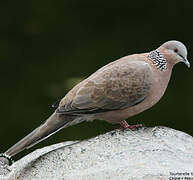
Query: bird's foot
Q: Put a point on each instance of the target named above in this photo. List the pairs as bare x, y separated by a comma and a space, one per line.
125, 125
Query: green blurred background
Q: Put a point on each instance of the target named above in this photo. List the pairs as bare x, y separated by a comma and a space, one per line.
48, 46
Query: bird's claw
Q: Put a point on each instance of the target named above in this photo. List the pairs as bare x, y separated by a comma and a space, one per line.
125, 125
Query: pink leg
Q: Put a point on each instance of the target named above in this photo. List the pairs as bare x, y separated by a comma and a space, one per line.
124, 125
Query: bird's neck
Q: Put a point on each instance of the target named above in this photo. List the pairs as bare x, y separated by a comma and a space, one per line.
162, 70
158, 60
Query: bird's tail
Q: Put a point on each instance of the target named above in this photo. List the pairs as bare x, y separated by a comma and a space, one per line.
53, 124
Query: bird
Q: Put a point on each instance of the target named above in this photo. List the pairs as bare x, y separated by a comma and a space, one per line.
115, 92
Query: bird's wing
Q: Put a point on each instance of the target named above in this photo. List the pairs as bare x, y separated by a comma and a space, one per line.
117, 86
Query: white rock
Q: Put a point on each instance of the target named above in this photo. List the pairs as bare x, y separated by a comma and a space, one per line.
148, 153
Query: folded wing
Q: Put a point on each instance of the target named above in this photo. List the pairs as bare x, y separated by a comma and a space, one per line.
117, 86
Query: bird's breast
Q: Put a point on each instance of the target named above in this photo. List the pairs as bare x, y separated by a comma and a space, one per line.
159, 84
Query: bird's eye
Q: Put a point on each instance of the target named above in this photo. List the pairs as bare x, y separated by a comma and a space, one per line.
176, 50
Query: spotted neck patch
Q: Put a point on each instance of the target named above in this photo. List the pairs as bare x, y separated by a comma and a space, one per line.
158, 60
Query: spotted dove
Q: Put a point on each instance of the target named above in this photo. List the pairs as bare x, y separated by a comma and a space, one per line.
115, 92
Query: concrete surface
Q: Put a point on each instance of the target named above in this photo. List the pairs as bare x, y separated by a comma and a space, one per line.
147, 153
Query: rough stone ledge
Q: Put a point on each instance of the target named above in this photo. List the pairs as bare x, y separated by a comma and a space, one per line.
147, 153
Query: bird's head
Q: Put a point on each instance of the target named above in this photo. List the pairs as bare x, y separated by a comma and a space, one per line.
175, 52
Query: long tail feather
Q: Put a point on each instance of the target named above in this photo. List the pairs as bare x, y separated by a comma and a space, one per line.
53, 124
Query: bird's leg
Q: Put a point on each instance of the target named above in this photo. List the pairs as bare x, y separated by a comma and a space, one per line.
125, 125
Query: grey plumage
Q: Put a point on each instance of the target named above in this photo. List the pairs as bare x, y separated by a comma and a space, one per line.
53, 124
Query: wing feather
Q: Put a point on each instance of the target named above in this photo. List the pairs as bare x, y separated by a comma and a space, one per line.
117, 86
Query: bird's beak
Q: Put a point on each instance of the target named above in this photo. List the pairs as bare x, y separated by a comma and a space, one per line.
186, 62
